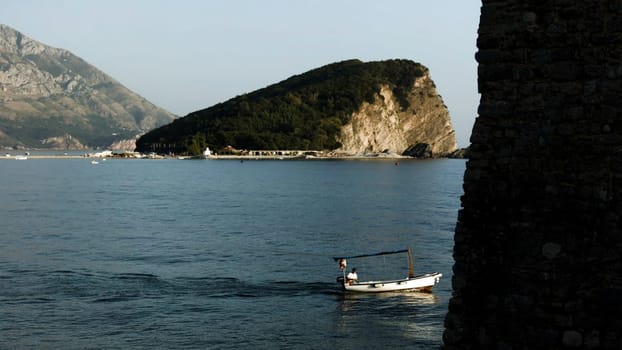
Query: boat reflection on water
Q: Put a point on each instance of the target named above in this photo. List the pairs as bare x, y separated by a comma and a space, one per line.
388, 320
350, 301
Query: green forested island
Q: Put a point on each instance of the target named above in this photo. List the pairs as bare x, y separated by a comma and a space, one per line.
303, 112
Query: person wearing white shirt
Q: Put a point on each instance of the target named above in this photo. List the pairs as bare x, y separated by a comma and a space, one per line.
352, 277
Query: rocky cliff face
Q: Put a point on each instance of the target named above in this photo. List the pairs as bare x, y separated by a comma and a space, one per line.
47, 92
385, 126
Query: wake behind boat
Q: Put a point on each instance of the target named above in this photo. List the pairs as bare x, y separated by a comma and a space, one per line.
421, 283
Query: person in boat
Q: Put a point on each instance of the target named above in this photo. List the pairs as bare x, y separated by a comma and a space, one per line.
352, 277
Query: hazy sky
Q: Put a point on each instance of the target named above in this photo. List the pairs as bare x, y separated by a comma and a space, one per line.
185, 55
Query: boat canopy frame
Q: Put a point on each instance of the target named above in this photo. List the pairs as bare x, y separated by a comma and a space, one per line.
411, 272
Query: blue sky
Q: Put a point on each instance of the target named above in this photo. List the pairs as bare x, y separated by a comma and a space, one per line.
186, 55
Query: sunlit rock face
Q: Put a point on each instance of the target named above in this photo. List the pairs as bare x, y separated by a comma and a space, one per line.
385, 126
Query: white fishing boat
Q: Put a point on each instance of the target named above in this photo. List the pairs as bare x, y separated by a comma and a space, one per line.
21, 157
94, 162
420, 283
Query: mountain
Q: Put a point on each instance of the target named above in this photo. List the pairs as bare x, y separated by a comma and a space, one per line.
50, 98
348, 107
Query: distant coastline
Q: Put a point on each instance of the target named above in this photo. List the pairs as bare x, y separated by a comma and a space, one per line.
244, 155
132, 155
212, 157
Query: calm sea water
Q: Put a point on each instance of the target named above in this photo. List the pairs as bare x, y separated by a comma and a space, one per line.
178, 254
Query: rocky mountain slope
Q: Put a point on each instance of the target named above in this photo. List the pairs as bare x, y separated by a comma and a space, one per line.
50, 98
348, 107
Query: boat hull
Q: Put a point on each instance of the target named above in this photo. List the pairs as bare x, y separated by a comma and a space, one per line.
422, 283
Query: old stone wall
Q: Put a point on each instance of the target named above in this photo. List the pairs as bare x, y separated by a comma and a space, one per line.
538, 245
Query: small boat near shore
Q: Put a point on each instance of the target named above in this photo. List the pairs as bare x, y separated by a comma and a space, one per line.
419, 283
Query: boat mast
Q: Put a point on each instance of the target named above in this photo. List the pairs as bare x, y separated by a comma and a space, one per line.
411, 271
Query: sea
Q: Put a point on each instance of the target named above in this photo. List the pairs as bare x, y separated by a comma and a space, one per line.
221, 254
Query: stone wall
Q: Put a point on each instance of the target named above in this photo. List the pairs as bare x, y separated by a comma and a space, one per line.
538, 247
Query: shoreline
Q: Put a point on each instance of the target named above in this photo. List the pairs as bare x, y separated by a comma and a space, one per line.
225, 157
249, 157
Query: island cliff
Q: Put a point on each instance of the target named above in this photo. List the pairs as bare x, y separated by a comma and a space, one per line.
384, 126
349, 108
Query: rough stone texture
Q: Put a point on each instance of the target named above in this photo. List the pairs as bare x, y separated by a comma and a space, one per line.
43, 84
420, 150
384, 126
538, 247
64, 142
123, 145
